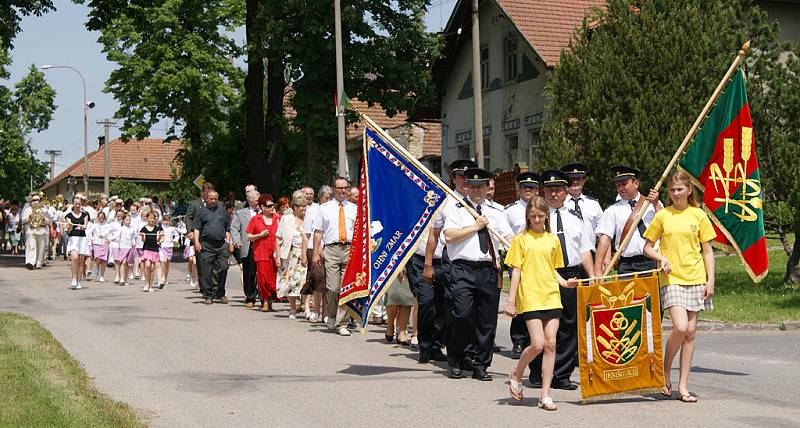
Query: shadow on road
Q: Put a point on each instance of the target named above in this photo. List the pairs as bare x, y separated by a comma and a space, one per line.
717, 371
362, 370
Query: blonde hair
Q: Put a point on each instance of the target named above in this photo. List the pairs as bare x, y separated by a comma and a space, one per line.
539, 203
682, 177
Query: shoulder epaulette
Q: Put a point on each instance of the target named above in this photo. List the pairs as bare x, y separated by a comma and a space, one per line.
510, 205
493, 207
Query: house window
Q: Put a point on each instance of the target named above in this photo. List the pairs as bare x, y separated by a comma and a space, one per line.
511, 58
487, 154
463, 152
484, 67
512, 148
534, 146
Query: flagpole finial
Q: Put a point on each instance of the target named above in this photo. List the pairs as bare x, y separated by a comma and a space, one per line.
745, 48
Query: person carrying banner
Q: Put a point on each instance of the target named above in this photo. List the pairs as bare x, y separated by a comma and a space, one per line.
684, 233
474, 276
576, 241
585, 207
618, 219
527, 187
536, 295
333, 233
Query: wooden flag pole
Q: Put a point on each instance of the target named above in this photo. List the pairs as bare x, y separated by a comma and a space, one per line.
686, 141
388, 138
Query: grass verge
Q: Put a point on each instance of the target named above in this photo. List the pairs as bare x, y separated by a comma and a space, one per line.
43, 386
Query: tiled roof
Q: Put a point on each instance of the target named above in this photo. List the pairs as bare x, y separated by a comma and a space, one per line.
548, 25
148, 159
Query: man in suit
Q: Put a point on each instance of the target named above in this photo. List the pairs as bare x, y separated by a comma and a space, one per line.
241, 218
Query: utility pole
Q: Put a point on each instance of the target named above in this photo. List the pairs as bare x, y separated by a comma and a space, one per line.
53, 154
477, 107
340, 89
106, 124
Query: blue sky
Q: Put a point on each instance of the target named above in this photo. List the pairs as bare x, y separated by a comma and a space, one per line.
61, 38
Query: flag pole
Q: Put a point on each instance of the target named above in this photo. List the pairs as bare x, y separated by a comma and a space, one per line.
388, 138
686, 141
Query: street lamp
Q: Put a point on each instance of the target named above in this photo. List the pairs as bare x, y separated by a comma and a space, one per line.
86, 106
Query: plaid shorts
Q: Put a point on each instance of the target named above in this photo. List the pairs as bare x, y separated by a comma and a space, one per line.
689, 297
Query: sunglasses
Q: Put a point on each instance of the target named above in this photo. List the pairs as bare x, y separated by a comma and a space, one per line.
269, 205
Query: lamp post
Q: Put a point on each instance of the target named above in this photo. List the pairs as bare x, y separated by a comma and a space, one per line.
86, 106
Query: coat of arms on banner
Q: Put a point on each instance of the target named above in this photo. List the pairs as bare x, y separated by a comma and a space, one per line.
619, 337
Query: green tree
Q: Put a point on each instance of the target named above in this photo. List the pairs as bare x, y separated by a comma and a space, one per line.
630, 88
12, 12
127, 189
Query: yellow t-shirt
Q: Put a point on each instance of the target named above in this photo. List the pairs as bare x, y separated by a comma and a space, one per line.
537, 256
681, 233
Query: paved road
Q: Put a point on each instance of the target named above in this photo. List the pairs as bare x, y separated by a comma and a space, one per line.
186, 364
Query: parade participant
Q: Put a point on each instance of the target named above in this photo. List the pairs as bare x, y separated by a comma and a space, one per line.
352, 194
432, 287
585, 207
13, 225
535, 295
114, 245
211, 236
86, 206
167, 245
191, 262
399, 301
333, 232
98, 232
687, 258
474, 278
36, 220
77, 246
490, 195
576, 240
291, 240
618, 219
261, 233
527, 187
137, 222
151, 236
314, 288
241, 219
125, 255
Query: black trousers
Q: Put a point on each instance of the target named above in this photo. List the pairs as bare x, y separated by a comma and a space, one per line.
567, 338
214, 271
473, 315
249, 278
635, 264
432, 314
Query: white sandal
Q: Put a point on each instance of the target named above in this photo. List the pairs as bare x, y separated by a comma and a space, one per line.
547, 404
515, 388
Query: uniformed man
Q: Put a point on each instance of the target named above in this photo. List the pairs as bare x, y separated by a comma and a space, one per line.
618, 219
474, 276
585, 207
527, 187
577, 244
490, 195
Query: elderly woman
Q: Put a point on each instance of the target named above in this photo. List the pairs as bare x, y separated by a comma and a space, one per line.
292, 239
315, 277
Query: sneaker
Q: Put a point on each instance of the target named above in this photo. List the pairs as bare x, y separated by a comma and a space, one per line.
78, 287
188, 278
101, 279
343, 331
122, 283
116, 280
130, 276
144, 288
73, 285
292, 315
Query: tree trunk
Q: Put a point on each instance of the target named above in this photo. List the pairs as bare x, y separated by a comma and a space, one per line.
276, 85
254, 98
792, 272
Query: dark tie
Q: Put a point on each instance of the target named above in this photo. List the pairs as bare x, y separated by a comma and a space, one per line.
577, 210
639, 226
562, 238
483, 235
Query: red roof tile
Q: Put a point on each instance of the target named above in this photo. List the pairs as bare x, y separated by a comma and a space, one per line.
548, 25
148, 159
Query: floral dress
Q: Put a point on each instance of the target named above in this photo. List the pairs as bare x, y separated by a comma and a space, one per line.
292, 274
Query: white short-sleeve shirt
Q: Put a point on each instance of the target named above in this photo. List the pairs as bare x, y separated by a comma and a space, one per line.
613, 221
515, 215
590, 209
327, 221
456, 217
578, 236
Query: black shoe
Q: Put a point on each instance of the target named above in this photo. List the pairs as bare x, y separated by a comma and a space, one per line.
480, 373
564, 384
516, 351
454, 372
28, 266
424, 357
536, 383
438, 355
496, 348
468, 365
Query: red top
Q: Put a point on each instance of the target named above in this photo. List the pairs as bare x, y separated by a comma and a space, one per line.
263, 248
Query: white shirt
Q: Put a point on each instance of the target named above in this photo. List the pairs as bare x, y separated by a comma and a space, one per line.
171, 236
613, 220
515, 215
590, 209
97, 233
327, 221
310, 218
124, 237
422, 243
137, 223
456, 217
578, 236
91, 211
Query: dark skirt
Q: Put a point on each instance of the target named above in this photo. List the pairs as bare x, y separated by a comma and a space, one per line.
315, 276
544, 314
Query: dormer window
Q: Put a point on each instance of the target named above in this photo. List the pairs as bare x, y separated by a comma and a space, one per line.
510, 48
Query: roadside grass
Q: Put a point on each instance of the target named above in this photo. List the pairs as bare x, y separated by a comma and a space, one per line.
43, 386
738, 300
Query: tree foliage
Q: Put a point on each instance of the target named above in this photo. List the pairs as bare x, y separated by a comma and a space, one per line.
127, 189
12, 12
629, 89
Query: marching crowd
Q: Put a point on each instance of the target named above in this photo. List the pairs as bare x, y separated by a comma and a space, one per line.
295, 249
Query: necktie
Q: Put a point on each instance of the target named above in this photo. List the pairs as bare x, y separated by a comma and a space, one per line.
639, 226
483, 235
342, 225
561, 237
577, 210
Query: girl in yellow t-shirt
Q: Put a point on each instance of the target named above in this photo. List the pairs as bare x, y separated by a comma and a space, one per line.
534, 295
686, 257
